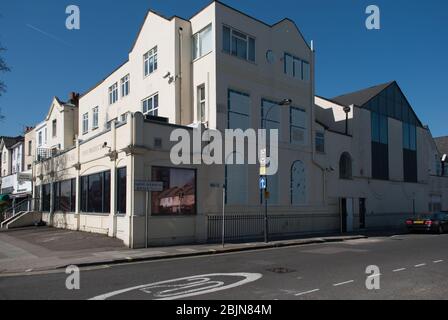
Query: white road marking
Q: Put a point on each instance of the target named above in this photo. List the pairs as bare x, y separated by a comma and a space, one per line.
191, 286
420, 265
306, 292
343, 283
399, 270
374, 276
438, 261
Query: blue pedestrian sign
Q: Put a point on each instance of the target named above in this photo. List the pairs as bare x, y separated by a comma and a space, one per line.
263, 183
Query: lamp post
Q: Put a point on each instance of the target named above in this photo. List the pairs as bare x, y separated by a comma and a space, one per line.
283, 103
347, 111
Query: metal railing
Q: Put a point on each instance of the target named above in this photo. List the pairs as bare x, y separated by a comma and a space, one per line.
240, 227
25, 205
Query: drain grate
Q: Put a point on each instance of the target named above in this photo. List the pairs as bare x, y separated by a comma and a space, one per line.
281, 270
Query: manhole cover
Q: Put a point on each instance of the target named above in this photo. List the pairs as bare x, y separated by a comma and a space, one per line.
281, 270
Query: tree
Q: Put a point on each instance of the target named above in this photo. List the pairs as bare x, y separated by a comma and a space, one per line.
3, 68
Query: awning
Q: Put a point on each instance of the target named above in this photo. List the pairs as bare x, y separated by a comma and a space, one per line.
4, 197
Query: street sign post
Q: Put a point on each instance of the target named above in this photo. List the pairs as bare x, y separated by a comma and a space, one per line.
263, 183
147, 186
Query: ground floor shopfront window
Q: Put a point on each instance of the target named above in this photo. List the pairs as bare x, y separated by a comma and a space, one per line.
95, 193
179, 191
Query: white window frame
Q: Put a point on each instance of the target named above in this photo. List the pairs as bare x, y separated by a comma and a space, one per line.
202, 103
242, 36
149, 58
85, 123
95, 118
113, 93
198, 41
125, 84
40, 138
152, 110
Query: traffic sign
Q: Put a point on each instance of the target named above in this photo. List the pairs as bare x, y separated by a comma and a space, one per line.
263, 183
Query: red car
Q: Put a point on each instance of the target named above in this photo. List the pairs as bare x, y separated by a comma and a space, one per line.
433, 222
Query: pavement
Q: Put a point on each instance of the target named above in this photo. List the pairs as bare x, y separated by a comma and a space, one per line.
406, 266
41, 249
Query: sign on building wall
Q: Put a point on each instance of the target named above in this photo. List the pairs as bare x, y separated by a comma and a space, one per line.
148, 186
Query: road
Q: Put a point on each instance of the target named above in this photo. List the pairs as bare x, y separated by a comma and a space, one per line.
410, 266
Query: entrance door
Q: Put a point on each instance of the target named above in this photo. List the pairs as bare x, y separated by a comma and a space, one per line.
362, 213
346, 212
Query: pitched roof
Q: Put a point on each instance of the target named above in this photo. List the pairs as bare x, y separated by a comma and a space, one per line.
11, 141
361, 97
442, 144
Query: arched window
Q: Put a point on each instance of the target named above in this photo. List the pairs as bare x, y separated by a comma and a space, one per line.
345, 166
298, 183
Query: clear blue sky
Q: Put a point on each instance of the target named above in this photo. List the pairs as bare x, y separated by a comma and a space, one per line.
411, 48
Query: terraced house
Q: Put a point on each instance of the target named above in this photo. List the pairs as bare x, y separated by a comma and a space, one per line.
361, 160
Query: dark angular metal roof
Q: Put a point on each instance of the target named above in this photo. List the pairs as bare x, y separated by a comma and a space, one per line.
11, 141
361, 97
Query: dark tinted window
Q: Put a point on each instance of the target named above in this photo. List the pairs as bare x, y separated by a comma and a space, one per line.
95, 193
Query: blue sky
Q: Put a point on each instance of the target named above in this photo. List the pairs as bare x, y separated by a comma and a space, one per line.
411, 47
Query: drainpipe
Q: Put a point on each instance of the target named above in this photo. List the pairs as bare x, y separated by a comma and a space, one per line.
180, 74
313, 148
131, 214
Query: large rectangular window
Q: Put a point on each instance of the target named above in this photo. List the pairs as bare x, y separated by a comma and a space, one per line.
113, 93
238, 44
95, 193
64, 196
296, 68
179, 191
150, 61
121, 190
298, 120
125, 86
380, 146
237, 176
202, 42
151, 105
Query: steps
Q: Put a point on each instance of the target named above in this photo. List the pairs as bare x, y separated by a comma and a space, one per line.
22, 219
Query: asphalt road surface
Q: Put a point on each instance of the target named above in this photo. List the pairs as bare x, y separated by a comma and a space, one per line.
402, 267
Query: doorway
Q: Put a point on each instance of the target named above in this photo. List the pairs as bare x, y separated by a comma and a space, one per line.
362, 213
346, 214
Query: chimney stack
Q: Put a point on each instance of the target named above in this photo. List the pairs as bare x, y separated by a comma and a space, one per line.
73, 98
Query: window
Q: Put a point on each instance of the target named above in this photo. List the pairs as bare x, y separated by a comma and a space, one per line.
30, 147
125, 86
46, 136
438, 165
150, 61
238, 44
113, 93
320, 142
85, 123
121, 190
64, 196
380, 145
202, 42
39, 138
296, 68
410, 152
46, 198
95, 118
237, 175
201, 103
298, 120
95, 193
124, 117
179, 191
54, 128
345, 166
298, 183
409, 137
151, 105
